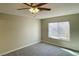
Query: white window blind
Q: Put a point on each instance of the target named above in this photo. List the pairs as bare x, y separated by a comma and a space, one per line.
59, 30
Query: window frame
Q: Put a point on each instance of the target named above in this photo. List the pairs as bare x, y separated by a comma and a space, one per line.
53, 37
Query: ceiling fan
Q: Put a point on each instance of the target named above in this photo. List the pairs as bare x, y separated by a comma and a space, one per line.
35, 8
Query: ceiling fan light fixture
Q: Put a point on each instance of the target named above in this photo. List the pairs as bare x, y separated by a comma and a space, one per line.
34, 10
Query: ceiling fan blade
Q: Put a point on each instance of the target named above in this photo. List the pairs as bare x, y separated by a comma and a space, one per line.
27, 4
22, 8
31, 4
48, 9
40, 4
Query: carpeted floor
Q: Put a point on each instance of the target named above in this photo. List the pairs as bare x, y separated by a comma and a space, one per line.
40, 49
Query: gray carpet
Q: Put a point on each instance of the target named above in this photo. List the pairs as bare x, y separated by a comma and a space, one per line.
40, 49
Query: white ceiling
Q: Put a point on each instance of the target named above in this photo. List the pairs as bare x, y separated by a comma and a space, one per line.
58, 9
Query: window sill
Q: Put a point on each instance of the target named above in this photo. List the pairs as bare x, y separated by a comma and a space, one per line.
59, 38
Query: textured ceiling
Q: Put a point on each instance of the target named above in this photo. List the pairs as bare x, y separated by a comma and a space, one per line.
58, 9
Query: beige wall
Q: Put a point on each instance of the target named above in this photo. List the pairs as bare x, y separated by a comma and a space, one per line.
17, 31
74, 31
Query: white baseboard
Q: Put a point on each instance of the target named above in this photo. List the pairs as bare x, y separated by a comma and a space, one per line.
71, 52
18, 48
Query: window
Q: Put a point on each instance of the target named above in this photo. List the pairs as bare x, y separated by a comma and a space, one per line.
59, 30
